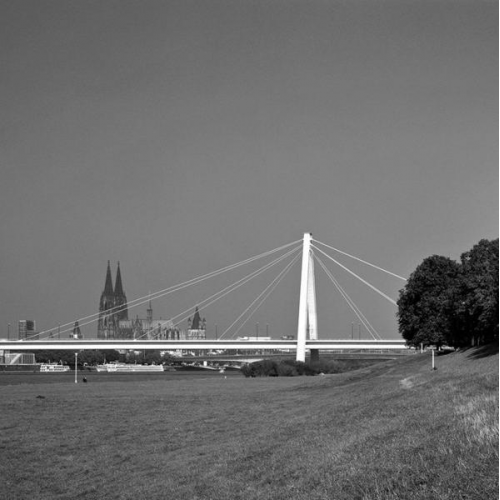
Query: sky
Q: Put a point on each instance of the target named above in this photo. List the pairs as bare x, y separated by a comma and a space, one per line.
180, 137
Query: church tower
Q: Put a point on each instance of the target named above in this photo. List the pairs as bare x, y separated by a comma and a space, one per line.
196, 327
121, 311
106, 324
112, 307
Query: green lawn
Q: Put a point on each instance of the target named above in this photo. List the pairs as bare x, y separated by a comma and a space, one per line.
395, 430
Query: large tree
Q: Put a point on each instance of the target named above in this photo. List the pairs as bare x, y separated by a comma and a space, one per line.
477, 305
426, 303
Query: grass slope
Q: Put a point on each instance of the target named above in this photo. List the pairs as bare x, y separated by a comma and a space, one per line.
395, 430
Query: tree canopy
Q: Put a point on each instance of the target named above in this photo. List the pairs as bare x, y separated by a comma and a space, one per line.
424, 304
449, 302
478, 292
67, 357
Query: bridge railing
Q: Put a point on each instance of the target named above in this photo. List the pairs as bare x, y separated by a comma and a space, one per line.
171, 345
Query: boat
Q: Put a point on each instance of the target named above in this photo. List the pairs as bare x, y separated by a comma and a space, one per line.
49, 368
123, 368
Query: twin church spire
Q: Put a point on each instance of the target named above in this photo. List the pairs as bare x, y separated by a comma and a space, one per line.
112, 306
117, 291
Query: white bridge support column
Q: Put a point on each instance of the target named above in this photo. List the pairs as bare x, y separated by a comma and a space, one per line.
311, 301
307, 301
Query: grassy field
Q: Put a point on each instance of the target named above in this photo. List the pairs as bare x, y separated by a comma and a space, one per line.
395, 430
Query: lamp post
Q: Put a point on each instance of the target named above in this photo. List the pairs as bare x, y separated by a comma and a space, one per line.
8, 331
257, 334
76, 368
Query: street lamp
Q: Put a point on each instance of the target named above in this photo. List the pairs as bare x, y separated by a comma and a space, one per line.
76, 368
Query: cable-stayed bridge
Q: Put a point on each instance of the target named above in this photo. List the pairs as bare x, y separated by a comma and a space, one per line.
307, 338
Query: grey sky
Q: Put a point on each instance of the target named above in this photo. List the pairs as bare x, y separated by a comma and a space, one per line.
178, 137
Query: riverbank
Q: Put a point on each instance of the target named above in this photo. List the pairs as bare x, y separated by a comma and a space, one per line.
394, 430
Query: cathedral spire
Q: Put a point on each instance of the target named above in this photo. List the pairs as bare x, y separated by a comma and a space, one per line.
108, 287
120, 299
106, 304
118, 283
195, 325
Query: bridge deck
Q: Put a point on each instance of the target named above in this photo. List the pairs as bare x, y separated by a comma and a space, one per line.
172, 345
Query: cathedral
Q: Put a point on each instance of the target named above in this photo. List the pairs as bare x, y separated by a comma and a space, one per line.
114, 323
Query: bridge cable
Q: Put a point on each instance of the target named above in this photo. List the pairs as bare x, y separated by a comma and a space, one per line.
222, 293
392, 301
350, 302
269, 289
245, 280
361, 260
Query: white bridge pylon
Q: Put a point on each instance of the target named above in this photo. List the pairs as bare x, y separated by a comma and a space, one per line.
308, 319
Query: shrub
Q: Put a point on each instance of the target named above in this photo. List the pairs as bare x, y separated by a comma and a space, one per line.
264, 368
287, 370
292, 368
299, 367
284, 368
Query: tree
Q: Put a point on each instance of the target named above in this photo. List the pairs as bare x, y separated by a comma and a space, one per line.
65, 357
427, 302
153, 358
110, 355
135, 357
477, 307
91, 358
